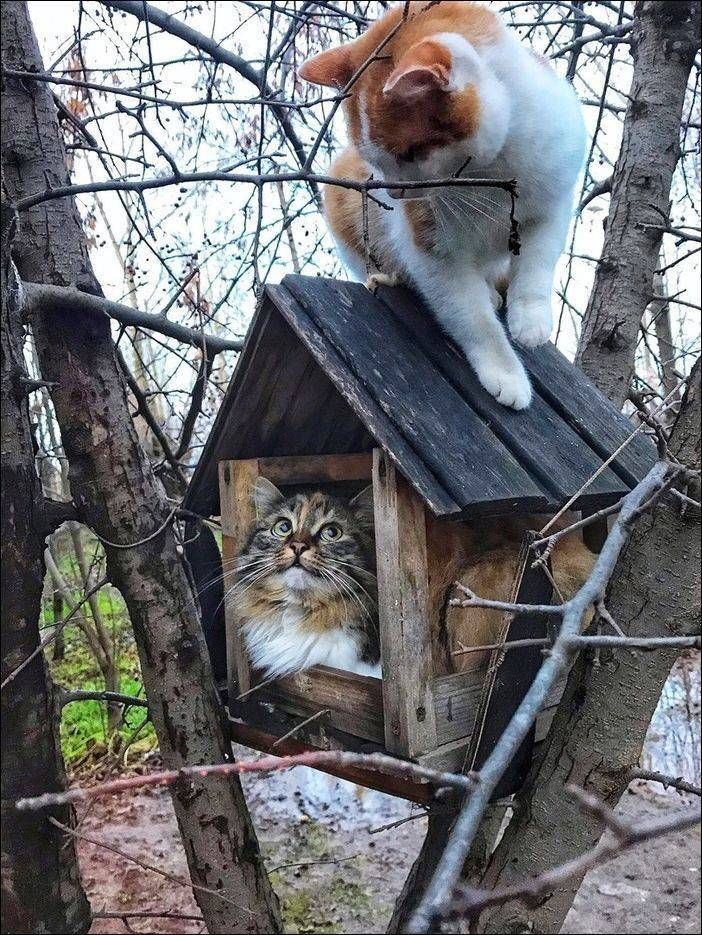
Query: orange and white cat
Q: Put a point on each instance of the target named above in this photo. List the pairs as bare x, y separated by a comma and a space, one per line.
453, 92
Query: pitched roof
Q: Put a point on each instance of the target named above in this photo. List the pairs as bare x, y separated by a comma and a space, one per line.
330, 368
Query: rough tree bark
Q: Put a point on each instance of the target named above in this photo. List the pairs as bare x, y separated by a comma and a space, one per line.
117, 495
665, 39
601, 724
41, 888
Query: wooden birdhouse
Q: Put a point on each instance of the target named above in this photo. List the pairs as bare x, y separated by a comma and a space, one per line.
337, 388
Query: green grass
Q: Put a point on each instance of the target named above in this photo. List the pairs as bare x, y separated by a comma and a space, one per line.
84, 723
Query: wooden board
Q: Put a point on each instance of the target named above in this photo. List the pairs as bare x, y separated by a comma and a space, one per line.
279, 402
510, 677
236, 481
354, 702
469, 460
538, 437
427, 484
266, 742
579, 402
456, 701
403, 611
317, 469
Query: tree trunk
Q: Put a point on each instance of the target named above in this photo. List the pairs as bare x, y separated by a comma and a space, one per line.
110, 669
41, 887
118, 496
664, 40
601, 724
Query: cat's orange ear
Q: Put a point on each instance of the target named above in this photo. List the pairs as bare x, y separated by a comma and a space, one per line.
424, 67
332, 68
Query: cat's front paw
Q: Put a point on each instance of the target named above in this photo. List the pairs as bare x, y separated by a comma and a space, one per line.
530, 321
376, 280
510, 386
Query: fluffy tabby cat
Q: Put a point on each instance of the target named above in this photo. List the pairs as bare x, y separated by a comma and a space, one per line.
306, 590
454, 93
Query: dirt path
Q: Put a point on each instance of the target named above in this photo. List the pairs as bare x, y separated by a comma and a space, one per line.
335, 875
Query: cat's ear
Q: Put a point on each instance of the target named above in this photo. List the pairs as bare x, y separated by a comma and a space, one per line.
266, 496
425, 67
362, 505
332, 68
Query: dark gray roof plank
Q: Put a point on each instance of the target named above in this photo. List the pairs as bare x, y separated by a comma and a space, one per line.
452, 440
538, 437
590, 413
413, 468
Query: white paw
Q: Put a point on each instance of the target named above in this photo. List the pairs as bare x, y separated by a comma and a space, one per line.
509, 385
530, 321
376, 280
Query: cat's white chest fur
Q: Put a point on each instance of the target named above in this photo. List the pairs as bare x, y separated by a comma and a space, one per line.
279, 646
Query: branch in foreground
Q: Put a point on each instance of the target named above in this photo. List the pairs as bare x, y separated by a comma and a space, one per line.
251, 178
81, 694
441, 888
586, 642
378, 762
471, 902
45, 298
668, 782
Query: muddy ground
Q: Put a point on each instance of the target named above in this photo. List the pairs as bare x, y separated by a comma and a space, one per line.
337, 866
337, 872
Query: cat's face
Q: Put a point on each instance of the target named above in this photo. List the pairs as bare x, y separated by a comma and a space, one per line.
309, 543
428, 106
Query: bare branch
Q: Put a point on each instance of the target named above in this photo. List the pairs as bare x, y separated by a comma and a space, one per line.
45, 298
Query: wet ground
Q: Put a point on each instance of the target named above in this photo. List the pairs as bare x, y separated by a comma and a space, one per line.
337, 866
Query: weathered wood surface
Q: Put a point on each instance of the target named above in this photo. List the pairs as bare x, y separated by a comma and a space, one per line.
456, 701
279, 402
510, 676
538, 437
267, 742
409, 392
329, 368
317, 469
590, 413
236, 482
354, 702
403, 611
363, 404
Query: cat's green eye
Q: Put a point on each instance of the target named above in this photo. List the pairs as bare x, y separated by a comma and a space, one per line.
282, 528
330, 533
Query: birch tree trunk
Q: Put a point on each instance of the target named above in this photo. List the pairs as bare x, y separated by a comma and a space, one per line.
118, 496
665, 39
41, 887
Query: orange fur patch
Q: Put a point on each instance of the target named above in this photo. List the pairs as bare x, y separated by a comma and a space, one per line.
343, 209
422, 222
440, 120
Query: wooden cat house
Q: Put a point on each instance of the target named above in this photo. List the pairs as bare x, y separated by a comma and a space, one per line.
337, 387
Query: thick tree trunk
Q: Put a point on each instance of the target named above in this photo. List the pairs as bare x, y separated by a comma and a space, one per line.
41, 887
118, 496
598, 732
664, 40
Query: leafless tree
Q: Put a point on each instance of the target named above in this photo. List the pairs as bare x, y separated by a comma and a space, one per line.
162, 165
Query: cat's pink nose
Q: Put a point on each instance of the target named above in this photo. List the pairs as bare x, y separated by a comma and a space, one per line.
299, 547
